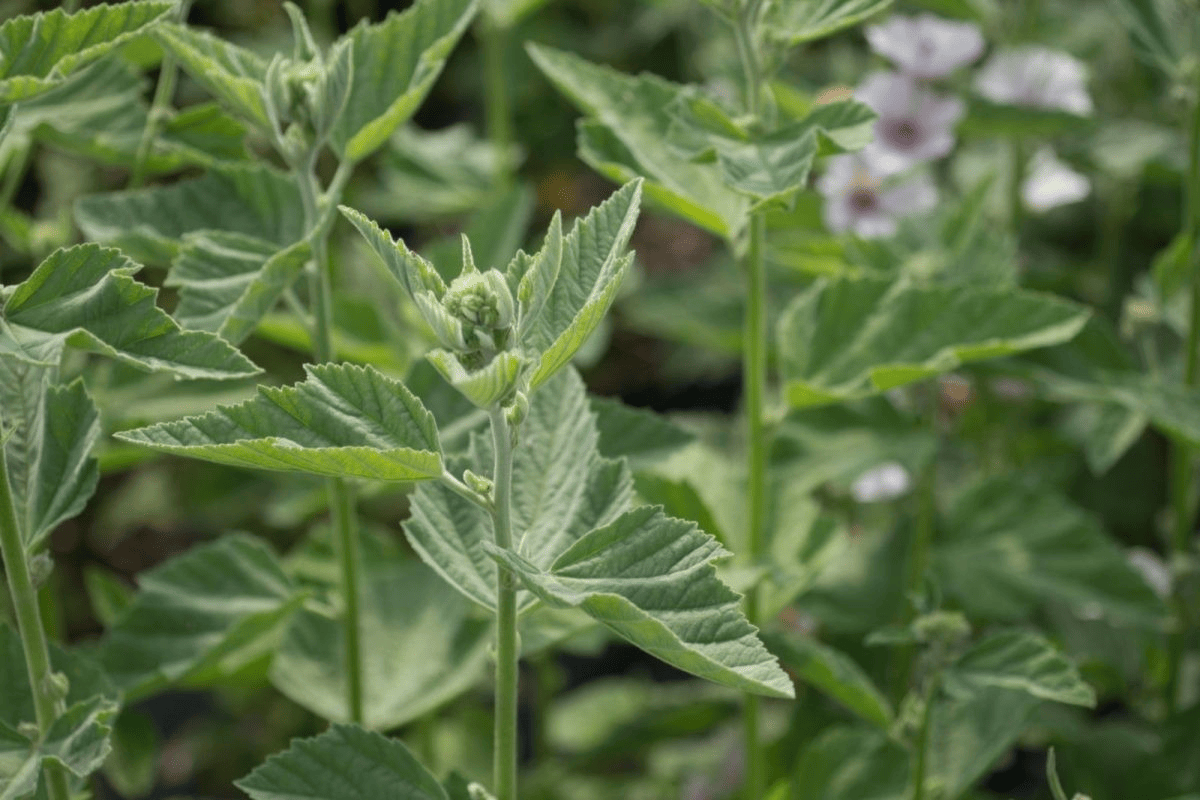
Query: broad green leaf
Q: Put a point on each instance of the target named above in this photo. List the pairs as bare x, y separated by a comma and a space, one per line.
395, 64
410, 269
421, 646
1020, 661
78, 741
132, 766
197, 613
344, 763
1105, 431
625, 136
150, 224
593, 263
85, 297
228, 281
650, 578
834, 673
678, 498
847, 339
562, 488
85, 678
1010, 547
232, 74
1170, 407
343, 421
842, 126
64, 475
970, 734
23, 388
770, 171
635, 433
799, 21
38, 51
847, 763
507, 13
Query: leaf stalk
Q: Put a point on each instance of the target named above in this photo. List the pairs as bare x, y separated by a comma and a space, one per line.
168, 73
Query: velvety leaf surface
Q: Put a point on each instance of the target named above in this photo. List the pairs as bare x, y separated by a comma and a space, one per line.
650, 578
834, 673
64, 476
847, 339
39, 50
635, 433
852, 764
343, 421
230, 73
344, 763
196, 612
1021, 661
78, 740
85, 297
798, 21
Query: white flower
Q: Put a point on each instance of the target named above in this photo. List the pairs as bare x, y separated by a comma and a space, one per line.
1152, 568
1035, 77
926, 47
857, 199
1051, 183
884, 482
915, 125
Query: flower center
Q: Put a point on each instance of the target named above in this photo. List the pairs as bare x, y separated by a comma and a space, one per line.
863, 199
901, 134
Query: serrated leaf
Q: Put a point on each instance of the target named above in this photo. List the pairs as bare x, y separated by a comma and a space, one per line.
593, 263
150, 224
78, 741
1021, 661
38, 51
412, 271
625, 136
232, 74
65, 474
970, 734
562, 488
228, 282
650, 579
395, 64
799, 21
343, 421
636, 433
196, 611
847, 339
833, 673
852, 764
344, 763
85, 297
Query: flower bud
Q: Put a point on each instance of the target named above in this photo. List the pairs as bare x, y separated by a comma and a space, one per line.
478, 483
518, 410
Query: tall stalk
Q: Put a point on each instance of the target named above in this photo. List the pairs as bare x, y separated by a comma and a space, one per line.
507, 653
168, 72
47, 696
493, 41
1182, 456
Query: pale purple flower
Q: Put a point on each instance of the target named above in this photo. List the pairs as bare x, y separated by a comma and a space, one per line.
884, 482
1152, 568
915, 125
858, 199
1051, 183
926, 46
1036, 77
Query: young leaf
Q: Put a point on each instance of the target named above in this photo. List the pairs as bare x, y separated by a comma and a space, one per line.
344, 763
78, 740
835, 674
232, 74
38, 51
799, 21
853, 338
650, 578
412, 271
395, 64
84, 297
1021, 661
195, 612
343, 421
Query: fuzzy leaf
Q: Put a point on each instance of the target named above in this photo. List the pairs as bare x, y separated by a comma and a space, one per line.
799, 21
650, 578
845, 763
78, 740
195, 612
65, 474
23, 390
412, 271
1021, 661
232, 74
848, 339
85, 297
636, 433
835, 674
38, 51
395, 64
343, 421
344, 763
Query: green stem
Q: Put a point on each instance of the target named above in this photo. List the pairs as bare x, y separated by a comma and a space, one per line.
1016, 207
47, 702
922, 753
163, 94
1182, 456
507, 652
493, 40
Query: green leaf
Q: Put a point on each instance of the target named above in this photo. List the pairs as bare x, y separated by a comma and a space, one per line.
635, 433
1020, 661
132, 766
344, 763
799, 21
395, 64
411, 270
1010, 546
562, 488
834, 673
1160, 30
852, 764
626, 136
985, 118
228, 281
232, 74
151, 224
85, 678
650, 578
78, 741
842, 126
847, 339
65, 475
343, 421
593, 263
38, 51
198, 613
85, 297
970, 734
421, 646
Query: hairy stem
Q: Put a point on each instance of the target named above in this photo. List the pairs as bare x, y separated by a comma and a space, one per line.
922, 751
493, 41
507, 652
47, 702
163, 93
1016, 208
